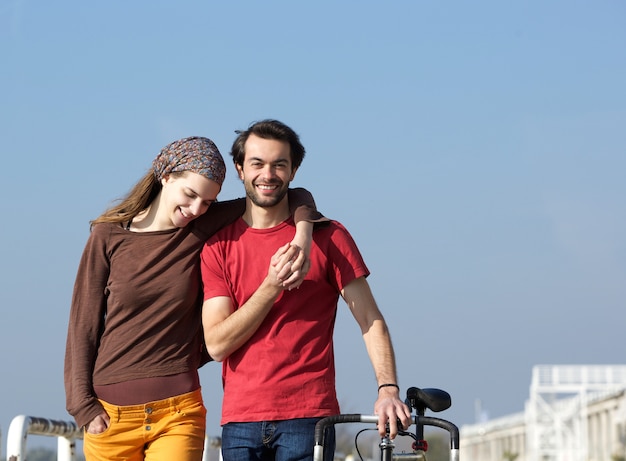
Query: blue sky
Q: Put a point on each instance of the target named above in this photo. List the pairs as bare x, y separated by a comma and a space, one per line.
475, 150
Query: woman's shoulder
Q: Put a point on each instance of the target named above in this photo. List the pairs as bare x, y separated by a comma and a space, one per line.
104, 228
108, 228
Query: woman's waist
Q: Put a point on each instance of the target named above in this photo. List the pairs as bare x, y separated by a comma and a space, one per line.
143, 390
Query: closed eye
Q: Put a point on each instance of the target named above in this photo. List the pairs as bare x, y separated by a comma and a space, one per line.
192, 195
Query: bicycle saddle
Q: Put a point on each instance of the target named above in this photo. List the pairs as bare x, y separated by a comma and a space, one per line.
434, 399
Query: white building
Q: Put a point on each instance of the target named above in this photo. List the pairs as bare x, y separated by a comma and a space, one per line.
574, 413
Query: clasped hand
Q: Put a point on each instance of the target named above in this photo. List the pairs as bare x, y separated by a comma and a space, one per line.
289, 266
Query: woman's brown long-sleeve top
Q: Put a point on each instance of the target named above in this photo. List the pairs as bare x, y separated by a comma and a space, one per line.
136, 306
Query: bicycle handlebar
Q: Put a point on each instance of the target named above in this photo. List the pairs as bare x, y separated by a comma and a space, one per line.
322, 424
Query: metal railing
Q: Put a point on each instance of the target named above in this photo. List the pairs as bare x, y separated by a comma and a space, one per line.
21, 426
66, 432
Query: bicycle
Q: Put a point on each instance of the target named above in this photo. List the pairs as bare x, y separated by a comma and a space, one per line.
420, 400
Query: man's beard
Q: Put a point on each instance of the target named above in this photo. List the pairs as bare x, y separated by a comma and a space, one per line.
265, 202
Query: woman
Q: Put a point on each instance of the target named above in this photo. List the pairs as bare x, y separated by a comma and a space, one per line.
134, 341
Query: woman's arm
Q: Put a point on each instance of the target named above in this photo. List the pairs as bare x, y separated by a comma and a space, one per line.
302, 206
85, 325
306, 217
220, 214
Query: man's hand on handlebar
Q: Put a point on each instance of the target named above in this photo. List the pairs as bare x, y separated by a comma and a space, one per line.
390, 409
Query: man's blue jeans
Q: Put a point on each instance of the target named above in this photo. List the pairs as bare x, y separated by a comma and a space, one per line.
288, 440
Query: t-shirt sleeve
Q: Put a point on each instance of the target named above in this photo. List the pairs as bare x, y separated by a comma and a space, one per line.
345, 260
212, 261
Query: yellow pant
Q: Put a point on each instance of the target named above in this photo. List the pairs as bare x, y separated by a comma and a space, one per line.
165, 430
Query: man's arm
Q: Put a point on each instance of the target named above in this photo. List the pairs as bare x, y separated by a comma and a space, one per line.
388, 406
227, 329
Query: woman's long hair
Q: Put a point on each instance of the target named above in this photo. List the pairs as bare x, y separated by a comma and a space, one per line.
137, 200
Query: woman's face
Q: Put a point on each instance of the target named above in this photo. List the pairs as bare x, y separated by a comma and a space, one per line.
186, 196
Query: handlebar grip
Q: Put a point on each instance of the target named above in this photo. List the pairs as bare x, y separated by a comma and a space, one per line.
322, 424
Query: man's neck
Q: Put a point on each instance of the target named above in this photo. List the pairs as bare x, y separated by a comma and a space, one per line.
265, 217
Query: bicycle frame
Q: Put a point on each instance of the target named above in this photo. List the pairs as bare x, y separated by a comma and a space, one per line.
418, 399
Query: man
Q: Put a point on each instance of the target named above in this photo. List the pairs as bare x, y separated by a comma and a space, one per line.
277, 345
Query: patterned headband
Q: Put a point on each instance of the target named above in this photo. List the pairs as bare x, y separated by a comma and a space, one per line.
197, 154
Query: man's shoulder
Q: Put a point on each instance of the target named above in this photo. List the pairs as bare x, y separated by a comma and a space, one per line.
334, 232
330, 226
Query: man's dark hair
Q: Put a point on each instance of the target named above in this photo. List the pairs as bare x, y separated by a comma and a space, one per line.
269, 129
